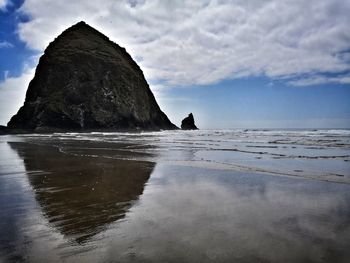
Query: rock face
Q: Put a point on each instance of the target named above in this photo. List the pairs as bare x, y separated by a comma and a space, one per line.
86, 81
188, 123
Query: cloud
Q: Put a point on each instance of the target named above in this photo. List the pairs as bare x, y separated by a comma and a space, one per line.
3, 4
316, 80
12, 94
202, 42
5, 44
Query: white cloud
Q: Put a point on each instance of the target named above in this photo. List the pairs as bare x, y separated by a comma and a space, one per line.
202, 42
3, 4
6, 73
12, 94
316, 80
5, 44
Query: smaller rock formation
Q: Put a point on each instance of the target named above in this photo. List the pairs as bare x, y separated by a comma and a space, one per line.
188, 123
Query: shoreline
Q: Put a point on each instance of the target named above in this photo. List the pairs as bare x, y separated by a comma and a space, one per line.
129, 151
12, 131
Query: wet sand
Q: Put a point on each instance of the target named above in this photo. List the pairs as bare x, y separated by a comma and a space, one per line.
96, 202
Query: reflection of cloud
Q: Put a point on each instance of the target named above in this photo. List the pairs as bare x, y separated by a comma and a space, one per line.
15, 203
193, 214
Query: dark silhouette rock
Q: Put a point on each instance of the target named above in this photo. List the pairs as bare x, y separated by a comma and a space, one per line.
3, 129
188, 123
6, 130
85, 81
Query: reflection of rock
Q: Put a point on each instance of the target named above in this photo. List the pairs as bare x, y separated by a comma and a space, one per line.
82, 195
188, 123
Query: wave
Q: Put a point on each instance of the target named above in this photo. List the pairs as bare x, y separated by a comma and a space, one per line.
321, 152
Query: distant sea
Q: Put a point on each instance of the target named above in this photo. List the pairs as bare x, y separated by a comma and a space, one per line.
242, 195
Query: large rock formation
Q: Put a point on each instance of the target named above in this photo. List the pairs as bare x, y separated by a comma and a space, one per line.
188, 123
86, 81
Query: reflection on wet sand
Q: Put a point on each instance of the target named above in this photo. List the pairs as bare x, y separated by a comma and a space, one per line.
79, 195
74, 201
199, 215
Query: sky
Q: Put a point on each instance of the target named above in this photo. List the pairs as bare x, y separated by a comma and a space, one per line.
233, 64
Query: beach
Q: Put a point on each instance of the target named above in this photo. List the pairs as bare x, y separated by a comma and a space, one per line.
176, 196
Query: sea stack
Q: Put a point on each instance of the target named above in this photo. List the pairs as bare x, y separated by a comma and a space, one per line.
188, 123
85, 81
